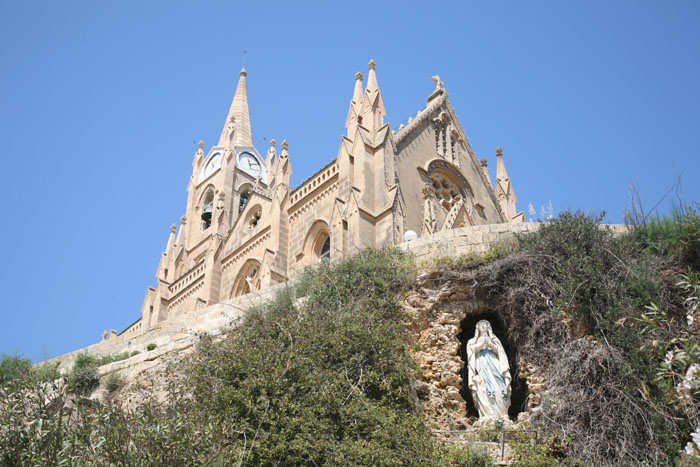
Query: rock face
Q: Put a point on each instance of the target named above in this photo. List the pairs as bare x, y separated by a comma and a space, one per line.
438, 310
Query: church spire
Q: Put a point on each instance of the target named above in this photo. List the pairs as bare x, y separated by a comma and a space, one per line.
504, 188
238, 118
373, 111
162, 273
355, 106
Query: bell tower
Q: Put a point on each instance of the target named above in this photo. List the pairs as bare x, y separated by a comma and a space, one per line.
223, 179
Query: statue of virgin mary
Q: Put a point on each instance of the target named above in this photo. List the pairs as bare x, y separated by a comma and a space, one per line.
488, 373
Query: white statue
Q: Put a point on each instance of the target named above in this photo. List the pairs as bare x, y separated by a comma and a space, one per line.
489, 373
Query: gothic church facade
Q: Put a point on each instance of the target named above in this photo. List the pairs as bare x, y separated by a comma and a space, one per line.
246, 229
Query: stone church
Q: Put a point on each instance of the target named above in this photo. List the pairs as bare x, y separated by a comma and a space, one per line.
246, 229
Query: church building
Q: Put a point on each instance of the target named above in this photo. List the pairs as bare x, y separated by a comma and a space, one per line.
246, 229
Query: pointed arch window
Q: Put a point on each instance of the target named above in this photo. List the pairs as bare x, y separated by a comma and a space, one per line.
318, 244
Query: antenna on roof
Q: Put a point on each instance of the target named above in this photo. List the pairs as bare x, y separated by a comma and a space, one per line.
244, 52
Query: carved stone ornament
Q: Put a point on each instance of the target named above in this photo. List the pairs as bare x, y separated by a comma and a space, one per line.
488, 373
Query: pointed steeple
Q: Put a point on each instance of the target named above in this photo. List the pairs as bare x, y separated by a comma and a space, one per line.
167, 254
355, 106
373, 111
504, 188
238, 117
180, 240
284, 167
372, 77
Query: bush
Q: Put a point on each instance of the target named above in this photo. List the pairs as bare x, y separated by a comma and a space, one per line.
676, 234
467, 457
114, 358
151, 346
84, 378
113, 382
569, 298
13, 367
327, 381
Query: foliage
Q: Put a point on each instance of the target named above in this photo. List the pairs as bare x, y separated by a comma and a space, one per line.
115, 357
677, 234
569, 298
323, 380
467, 457
468, 260
84, 378
679, 355
113, 382
13, 367
548, 452
151, 346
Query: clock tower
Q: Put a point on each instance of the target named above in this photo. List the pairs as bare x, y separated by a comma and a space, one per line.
223, 182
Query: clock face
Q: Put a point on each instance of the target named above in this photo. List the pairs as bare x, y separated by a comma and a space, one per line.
213, 164
249, 163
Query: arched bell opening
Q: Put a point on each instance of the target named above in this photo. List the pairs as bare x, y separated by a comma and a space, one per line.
519, 391
207, 209
243, 196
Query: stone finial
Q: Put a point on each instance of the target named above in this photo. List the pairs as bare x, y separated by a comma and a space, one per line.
243, 72
285, 145
173, 228
201, 144
438, 83
273, 143
183, 220
359, 76
372, 65
483, 162
499, 151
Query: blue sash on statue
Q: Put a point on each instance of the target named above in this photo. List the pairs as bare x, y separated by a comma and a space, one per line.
493, 379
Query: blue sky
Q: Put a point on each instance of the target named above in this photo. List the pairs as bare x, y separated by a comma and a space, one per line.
102, 104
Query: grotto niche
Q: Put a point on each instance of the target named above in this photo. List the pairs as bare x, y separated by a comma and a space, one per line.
519, 391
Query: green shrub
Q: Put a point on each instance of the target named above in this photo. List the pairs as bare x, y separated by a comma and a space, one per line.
44, 372
677, 234
84, 360
467, 457
114, 358
84, 378
13, 367
327, 381
151, 346
113, 382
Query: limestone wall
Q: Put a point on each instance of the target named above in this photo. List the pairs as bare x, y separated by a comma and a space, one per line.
475, 239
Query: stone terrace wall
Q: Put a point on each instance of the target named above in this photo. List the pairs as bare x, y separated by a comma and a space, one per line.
477, 239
